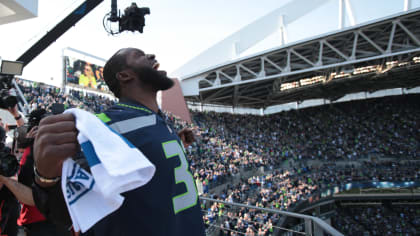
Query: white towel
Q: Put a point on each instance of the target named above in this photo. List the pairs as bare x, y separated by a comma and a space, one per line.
116, 166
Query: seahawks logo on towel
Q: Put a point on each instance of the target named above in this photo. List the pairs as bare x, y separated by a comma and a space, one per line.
78, 183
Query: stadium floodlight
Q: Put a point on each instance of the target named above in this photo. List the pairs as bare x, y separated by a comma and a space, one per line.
11, 67
132, 20
8, 70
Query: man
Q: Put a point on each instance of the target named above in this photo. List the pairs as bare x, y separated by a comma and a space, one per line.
30, 218
168, 204
9, 206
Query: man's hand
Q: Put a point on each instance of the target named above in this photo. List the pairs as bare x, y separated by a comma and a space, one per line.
32, 133
55, 141
15, 113
13, 110
187, 136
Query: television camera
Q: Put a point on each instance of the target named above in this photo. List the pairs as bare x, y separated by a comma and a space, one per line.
8, 71
132, 19
8, 162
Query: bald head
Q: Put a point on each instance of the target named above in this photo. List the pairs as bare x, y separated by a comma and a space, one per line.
131, 67
115, 64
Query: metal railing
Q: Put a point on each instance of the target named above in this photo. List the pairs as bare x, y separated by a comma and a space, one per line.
22, 97
312, 225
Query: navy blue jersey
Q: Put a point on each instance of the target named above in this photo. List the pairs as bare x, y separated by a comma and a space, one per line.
168, 204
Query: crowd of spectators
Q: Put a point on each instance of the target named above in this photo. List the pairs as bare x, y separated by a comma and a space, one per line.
44, 96
378, 220
284, 189
349, 131
228, 145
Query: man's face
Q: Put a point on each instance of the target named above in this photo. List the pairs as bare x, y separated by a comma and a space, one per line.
101, 72
145, 66
88, 70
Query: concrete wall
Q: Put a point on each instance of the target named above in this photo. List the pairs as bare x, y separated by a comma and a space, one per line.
174, 102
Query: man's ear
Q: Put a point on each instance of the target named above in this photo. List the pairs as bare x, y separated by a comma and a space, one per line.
124, 76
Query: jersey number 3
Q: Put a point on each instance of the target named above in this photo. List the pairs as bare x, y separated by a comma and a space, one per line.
182, 175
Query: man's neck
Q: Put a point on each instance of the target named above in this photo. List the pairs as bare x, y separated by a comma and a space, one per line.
147, 101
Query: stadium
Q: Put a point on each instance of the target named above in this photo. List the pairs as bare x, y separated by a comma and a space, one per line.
317, 136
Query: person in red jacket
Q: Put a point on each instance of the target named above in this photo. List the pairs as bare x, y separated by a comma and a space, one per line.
32, 220
30, 217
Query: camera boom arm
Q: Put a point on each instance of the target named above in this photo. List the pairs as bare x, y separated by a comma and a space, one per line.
58, 30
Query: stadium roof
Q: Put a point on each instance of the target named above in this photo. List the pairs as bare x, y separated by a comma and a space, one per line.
381, 54
16, 10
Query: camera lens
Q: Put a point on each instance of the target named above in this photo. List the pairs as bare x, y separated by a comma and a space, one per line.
8, 164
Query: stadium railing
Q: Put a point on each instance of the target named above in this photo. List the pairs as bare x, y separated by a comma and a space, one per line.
312, 225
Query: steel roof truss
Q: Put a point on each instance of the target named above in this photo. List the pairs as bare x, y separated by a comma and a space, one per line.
409, 33
248, 70
220, 72
302, 57
392, 39
371, 42
273, 64
336, 50
252, 98
236, 96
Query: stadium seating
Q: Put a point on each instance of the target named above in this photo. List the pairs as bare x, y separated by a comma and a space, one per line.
280, 160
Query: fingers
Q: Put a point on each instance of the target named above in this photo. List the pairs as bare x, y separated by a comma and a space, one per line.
57, 118
58, 127
35, 128
58, 138
55, 141
182, 137
32, 133
59, 152
187, 136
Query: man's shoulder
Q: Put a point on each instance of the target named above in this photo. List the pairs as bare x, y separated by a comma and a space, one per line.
120, 111
124, 119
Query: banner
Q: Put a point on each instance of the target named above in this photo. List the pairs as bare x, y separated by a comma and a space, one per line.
369, 185
83, 74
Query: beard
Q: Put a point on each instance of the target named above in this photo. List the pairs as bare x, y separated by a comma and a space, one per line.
156, 79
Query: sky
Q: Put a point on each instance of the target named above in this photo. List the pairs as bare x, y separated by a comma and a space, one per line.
176, 30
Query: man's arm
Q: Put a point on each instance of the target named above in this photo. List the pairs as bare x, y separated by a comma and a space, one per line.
22, 192
18, 117
55, 141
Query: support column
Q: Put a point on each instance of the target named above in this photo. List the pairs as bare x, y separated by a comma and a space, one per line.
345, 5
349, 11
407, 5
341, 15
235, 50
282, 30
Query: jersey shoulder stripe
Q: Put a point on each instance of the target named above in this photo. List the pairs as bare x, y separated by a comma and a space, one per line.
132, 124
103, 117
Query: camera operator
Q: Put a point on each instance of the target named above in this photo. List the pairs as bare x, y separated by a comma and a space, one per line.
9, 206
30, 217
18, 117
